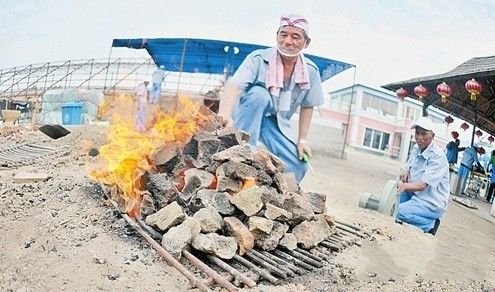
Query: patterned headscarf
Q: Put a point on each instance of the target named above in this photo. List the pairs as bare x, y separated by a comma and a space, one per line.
295, 20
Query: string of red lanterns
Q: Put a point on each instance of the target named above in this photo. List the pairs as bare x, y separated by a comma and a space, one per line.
444, 90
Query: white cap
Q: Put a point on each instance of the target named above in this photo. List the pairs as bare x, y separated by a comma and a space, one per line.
424, 123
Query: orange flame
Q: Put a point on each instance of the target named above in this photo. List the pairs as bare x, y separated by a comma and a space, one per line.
247, 183
127, 151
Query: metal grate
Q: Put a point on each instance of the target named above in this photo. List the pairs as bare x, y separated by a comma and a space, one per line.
25, 154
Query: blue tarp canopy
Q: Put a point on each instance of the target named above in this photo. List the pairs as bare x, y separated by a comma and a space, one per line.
210, 56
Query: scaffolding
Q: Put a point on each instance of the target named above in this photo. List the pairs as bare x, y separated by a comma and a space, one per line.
26, 85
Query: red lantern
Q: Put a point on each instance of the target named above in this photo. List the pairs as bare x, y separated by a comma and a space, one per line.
454, 134
444, 91
473, 87
402, 93
491, 139
464, 126
421, 91
478, 133
449, 119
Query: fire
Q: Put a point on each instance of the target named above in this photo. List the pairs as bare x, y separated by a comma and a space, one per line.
126, 155
247, 183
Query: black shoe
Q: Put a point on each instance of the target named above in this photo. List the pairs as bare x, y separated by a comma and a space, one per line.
398, 221
435, 227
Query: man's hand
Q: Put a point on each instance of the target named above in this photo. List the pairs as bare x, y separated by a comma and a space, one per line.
404, 176
302, 148
416, 186
227, 102
401, 186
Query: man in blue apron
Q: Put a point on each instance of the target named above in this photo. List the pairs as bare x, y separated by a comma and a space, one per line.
424, 186
268, 88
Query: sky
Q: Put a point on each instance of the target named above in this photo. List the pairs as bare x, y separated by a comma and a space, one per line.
387, 40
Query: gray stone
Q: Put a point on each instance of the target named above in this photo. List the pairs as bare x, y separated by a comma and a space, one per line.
195, 180
209, 219
176, 239
162, 189
212, 166
207, 147
147, 206
330, 219
190, 150
164, 154
240, 232
212, 243
202, 199
237, 170
316, 200
193, 225
191, 187
311, 233
221, 202
270, 195
199, 150
289, 241
268, 162
248, 201
205, 177
270, 241
167, 217
229, 136
264, 178
286, 183
226, 184
259, 225
168, 159
208, 120
236, 153
301, 210
275, 213
244, 135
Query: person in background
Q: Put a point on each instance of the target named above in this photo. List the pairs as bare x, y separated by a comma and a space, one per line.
141, 98
156, 86
268, 88
453, 150
424, 185
468, 159
491, 189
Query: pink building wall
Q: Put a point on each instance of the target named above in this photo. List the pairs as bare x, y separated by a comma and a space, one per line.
402, 126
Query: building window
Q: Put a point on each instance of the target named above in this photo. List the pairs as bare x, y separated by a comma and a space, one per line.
376, 139
382, 105
412, 112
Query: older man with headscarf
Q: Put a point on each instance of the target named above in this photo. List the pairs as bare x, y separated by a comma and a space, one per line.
424, 186
268, 88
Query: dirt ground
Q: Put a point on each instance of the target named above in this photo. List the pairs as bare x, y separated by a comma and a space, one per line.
60, 235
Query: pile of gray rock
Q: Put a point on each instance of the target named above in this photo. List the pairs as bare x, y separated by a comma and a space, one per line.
220, 197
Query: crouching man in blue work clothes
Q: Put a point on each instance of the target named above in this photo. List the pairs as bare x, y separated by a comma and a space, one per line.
266, 90
424, 186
